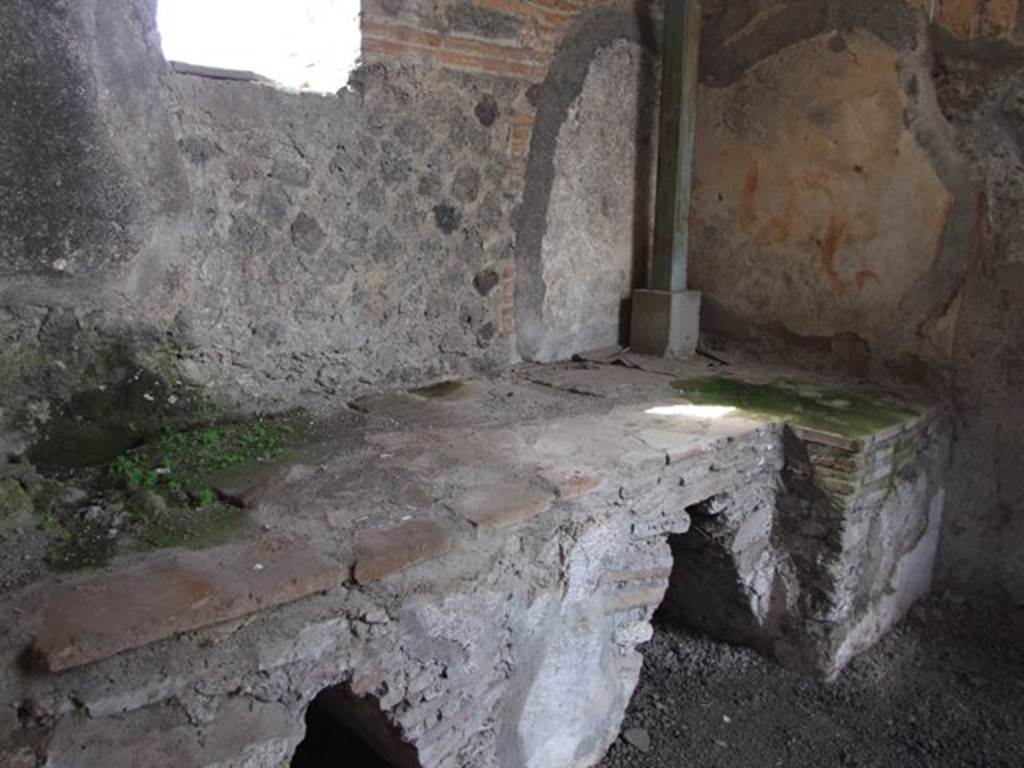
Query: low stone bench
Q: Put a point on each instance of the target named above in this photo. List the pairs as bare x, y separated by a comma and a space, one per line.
465, 576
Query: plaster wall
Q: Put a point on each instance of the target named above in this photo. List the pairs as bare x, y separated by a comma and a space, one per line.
583, 229
857, 205
601, 205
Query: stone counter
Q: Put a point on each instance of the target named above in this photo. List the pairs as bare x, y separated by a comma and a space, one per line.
466, 579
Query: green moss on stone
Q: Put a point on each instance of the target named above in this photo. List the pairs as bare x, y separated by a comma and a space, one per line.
160, 493
97, 423
82, 395
826, 409
22, 362
179, 466
183, 462
13, 497
206, 526
15, 503
79, 544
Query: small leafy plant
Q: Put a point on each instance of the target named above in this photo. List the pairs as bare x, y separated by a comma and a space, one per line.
133, 474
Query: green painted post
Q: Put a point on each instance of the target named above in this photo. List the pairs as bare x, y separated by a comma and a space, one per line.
680, 54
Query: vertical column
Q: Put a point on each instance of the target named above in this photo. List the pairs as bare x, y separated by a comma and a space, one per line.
665, 316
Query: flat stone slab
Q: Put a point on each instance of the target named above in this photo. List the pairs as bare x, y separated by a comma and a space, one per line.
502, 504
570, 484
381, 552
79, 622
243, 485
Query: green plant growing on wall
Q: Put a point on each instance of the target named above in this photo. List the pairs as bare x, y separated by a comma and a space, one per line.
164, 488
133, 474
183, 461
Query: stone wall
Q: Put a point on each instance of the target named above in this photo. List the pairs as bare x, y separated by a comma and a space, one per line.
347, 240
857, 204
222, 240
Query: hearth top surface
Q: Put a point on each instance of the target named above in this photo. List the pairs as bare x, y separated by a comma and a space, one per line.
400, 480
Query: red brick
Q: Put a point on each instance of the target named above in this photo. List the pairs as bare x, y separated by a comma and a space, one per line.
569, 484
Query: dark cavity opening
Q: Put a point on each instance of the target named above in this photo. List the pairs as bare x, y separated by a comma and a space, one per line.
348, 731
707, 593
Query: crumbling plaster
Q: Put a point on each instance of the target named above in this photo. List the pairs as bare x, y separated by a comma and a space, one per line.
588, 271
858, 195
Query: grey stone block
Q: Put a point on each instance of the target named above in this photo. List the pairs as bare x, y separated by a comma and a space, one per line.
665, 322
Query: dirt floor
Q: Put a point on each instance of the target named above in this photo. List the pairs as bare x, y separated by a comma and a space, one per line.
945, 689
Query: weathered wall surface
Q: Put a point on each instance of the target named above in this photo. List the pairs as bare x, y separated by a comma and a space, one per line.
839, 210
341, 236
591, 163
816, 568
858, 198
169, 238
96, 209
600, 209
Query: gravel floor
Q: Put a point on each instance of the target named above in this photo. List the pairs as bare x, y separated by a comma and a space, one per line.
945, 689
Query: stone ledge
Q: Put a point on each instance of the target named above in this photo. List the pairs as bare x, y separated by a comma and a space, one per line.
83, 621
860, 444
583, 491
218, 73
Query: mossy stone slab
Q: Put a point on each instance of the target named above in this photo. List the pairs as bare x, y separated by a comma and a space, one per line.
842, 412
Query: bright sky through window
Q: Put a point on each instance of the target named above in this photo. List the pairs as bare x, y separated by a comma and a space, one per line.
309, 45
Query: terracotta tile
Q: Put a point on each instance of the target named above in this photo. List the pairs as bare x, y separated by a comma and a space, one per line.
82, 621
571, 484
381, 552
640, 598
650, 574
500, 505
